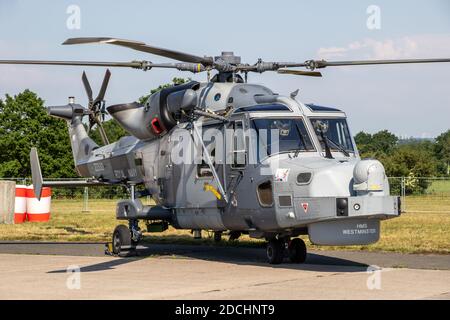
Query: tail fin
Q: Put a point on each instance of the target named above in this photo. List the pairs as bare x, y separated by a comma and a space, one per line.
36, 173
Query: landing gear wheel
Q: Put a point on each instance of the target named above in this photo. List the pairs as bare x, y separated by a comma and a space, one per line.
297, 250
275, 251
217, 236
121, 240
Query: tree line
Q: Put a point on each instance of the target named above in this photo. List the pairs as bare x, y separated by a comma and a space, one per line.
410, 158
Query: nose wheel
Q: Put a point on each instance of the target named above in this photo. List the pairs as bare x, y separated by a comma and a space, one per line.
277, 249
124, 240
121, 239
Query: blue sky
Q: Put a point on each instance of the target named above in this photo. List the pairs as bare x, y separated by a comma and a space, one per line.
409, 100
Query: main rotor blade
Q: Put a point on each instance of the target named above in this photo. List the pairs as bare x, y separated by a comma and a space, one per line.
143, 65
101, 94
300, 73
141, 46
314, 64
87, 86
262, 66
132, 64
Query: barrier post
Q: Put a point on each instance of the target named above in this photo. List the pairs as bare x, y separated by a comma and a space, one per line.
86, 200
403, 193
7, 199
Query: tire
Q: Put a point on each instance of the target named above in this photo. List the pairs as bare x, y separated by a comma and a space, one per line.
297, 251
275, 251
121, 238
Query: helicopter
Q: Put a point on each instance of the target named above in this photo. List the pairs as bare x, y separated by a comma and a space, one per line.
227, 156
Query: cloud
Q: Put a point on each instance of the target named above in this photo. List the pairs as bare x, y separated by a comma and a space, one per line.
415, 46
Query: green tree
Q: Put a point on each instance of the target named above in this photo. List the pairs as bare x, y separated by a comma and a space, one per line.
375, 145
410, 161
384, 141
363, 141
442, 152
24, 123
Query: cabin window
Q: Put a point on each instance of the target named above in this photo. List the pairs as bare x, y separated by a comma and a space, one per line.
203, 169
265, 195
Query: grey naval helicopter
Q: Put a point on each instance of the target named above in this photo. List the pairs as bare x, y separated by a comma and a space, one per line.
275, 169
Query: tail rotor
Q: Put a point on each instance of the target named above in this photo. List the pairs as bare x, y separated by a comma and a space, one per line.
97, 107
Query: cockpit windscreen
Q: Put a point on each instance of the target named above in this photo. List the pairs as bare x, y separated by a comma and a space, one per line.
292, 135
335, 130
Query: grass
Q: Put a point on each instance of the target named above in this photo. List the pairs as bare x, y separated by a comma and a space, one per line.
439, 187
425, 228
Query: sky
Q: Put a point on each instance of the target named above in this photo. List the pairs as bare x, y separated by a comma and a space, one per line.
408, 100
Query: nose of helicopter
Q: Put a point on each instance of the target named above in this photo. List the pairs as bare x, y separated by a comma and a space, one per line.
319, 177
316, 177
308, 191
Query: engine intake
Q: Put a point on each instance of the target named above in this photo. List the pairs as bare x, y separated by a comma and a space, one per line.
162, 111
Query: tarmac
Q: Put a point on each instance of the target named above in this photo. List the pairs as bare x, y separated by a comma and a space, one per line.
30, 270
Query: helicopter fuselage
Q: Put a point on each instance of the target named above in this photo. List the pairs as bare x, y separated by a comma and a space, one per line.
300, 181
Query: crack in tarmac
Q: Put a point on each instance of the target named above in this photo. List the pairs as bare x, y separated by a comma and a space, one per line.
259, 284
